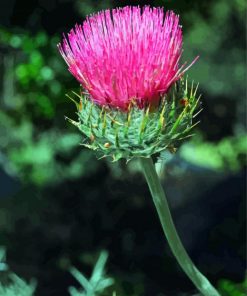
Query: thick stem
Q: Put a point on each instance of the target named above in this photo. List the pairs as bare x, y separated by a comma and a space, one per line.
161, 204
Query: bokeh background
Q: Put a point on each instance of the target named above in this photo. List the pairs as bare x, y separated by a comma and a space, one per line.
60, 206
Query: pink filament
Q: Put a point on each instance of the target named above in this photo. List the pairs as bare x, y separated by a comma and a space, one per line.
125, 54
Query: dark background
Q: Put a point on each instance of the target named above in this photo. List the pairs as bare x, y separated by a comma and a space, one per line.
60, 206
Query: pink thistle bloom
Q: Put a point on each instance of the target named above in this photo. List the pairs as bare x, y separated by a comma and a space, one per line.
126, 54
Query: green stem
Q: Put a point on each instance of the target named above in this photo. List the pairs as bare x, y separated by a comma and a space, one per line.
161, 204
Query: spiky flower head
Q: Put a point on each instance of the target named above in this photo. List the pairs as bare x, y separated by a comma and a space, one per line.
127, 61
125, 54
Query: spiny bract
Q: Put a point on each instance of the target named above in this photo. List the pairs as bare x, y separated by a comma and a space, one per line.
138, 132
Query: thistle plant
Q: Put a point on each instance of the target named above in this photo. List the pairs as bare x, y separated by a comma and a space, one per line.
134, 101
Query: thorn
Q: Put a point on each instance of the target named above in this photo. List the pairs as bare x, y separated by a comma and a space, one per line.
191, 90
175, 125
129, 106
196, 89
173, 100
74, 101
195, 105
186, 85
195, 124
190, 128
72, 121
114, 121
76, 94
197, 113
162, 119
129, 118
103, 156
147, 111
185, 137
144, 120
80, 105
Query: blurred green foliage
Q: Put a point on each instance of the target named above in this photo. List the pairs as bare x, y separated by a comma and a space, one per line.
49, 157
221, 65
10, 283
218, 40
229, 288
227, 155
18, 287
33, 70
98, 282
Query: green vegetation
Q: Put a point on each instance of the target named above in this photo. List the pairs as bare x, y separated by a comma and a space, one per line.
229, 288
97, 283
12, 285
227, 155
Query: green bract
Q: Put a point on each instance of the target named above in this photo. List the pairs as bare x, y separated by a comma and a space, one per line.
138, 132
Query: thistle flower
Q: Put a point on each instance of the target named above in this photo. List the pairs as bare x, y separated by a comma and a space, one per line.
125, 55
136, 102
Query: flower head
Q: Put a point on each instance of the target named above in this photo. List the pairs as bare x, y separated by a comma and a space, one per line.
126, 55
